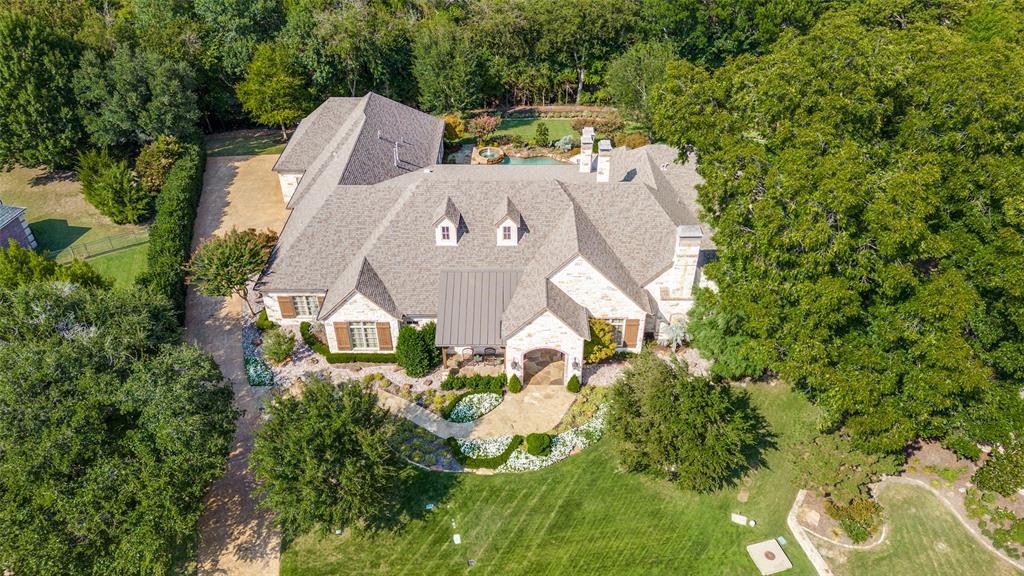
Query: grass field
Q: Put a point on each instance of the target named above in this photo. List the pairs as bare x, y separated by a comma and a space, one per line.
527, 127
924, 539
244, 143
582, 516
60, 217
123, 266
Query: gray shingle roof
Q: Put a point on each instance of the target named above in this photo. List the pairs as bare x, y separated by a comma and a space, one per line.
314, 132
9, 213
508, 210
449, 211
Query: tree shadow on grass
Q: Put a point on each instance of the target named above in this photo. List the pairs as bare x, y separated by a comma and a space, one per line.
765, 440
52, 176
56, 234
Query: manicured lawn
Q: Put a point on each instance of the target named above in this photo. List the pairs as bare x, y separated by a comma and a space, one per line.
582, 516
60, 217
924, 539
122, 266
244, 143
527, 127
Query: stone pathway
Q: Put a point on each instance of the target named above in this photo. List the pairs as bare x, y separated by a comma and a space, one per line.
235, 537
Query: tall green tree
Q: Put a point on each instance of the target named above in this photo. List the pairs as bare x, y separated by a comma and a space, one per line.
324, 460
21, 266
869, 228
633, 77
112, 432
225, 265
446, 66
235, 27
273, 92
39, 123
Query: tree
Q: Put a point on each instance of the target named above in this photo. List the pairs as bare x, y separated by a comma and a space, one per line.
278, 344
633, 76
454, 128
446, 66
483, 126
39, 124
1003, 472
696, 433
541, 135
23, 266
224, 265
357, 477
414, 350
602, 344
831, 466
110, 186
135, 96
154, 163
869, 233
273, 92
144, 426
716, 332
235, 27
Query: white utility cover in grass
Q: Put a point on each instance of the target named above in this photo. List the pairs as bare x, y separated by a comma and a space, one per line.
769, 557
738, 519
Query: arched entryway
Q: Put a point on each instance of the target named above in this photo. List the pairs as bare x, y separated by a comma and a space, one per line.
544, 366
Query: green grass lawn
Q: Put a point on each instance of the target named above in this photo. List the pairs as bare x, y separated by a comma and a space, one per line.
123, 266
244, 143
581, 516
60, 217
924, 539
527, 127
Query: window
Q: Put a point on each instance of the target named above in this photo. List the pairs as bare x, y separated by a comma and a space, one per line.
363, 335
506, 232
306, 305
619, 327
446, 233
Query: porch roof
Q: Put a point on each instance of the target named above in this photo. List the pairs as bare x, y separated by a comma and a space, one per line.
470, 306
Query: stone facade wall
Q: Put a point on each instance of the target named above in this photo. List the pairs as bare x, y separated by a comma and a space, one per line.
547, 331
289, 182
673, 289
359, 308
274, 309
588, 287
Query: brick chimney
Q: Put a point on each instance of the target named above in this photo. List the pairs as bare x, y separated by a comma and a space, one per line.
604, 160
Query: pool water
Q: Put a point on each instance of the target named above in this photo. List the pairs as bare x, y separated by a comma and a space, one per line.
536, 160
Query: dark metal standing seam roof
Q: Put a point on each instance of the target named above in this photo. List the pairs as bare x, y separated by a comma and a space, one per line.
470, 306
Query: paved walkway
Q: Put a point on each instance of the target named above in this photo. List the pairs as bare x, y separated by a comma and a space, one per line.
235, 538
535, 409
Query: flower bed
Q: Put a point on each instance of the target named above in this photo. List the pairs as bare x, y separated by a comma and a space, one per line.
492, 462
562, 445
473, 406
483, 447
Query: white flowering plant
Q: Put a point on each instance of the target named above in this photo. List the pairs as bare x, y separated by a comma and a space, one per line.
474, 406
484, 447
562, 445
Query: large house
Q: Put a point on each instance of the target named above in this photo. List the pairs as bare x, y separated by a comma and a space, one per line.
508, 260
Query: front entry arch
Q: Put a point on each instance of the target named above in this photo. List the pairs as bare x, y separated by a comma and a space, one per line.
544, 366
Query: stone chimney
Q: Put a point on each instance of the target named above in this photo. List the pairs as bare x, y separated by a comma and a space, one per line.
587, 150
604, 160
688, 239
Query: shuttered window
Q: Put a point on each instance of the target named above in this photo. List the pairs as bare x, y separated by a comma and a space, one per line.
308, 306
619, 327
363, 335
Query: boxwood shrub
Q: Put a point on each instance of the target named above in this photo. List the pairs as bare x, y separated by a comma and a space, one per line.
262, 322
306, 330
491, 462
573, 385
538, 444
514, 385
475, 383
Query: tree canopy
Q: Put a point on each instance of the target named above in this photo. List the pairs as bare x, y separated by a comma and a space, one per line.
226, 264
870, 223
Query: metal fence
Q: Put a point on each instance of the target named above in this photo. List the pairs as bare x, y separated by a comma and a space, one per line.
102, 246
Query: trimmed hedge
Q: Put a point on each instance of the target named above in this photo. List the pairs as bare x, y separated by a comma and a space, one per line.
514, 385
538, 444
341, 357
492, 462
170, 236
475, 383
573, 385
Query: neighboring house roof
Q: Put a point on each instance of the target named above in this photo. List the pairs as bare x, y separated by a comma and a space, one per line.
470, 304
378, 239
9, 213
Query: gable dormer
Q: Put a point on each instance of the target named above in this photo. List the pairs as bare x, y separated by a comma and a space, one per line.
447, 225
508, 225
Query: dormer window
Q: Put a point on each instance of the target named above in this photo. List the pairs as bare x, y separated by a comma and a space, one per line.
506, 232
509, 224
446, 233
446, 226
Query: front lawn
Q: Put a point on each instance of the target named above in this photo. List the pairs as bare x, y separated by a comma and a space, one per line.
924, 539
527, 127
581, 516
122, 266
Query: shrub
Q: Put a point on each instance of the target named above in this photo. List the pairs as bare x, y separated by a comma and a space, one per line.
414, 352
263, 323
154, 163
491, 462
601, 345
278, 345
859, 519
574, 384
454, 128
170, 236
475, 383
609, 125
483, 126
538, 444
541, 135
632, 140
311, 340
110, 186
1003, 472
578, 124
514, 385
830, 465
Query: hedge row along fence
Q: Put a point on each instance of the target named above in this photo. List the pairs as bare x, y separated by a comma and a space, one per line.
341, 357
170, 236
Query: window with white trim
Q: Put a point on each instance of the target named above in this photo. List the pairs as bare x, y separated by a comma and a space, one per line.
446, 233
506, 232
619, 330
363, 335
306, 306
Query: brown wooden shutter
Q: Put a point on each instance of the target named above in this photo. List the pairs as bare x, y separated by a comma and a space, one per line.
632, 333
341, 335
384, 336
319, 302
287, 306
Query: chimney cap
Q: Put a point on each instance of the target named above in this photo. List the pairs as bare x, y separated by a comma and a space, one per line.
689, 231
604, 146
587, 138
588, 131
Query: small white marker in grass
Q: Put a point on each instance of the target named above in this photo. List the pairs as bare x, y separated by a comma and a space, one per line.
457, 539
